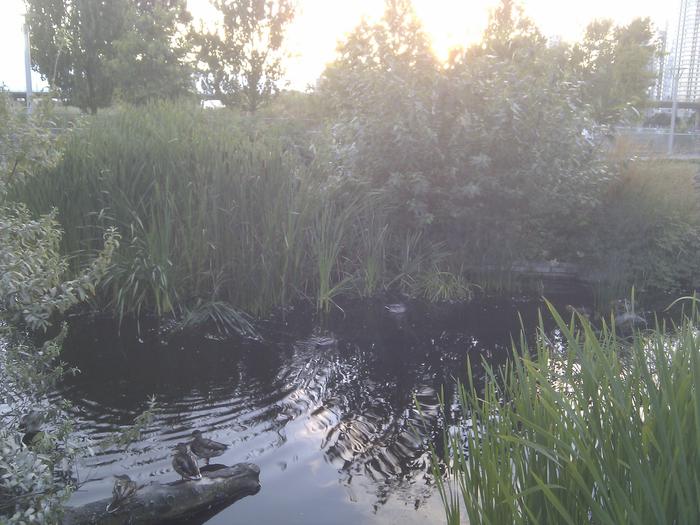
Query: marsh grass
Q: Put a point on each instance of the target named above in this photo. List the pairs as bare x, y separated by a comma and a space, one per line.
219, 208
210, 207
584, 429
647, 233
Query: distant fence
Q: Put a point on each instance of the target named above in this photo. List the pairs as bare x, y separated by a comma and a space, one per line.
654, 142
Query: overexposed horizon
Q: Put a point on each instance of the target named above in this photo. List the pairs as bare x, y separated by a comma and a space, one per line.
321, 24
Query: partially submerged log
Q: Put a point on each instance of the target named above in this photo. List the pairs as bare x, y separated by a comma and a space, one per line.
168, 502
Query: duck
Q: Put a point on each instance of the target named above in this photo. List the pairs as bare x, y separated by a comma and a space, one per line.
123, 489
396, 309
185, 463
583, 312
31, 424
626, 319
206, 448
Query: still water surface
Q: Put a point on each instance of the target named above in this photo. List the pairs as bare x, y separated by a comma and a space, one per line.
328, 414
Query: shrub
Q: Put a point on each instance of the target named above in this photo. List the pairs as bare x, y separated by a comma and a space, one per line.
647, 233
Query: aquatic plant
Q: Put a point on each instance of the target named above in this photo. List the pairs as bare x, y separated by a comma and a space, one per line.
585, 428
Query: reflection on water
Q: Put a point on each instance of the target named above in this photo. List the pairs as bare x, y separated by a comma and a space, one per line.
329, 416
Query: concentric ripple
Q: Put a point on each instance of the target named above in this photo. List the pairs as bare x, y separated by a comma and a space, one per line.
340, 421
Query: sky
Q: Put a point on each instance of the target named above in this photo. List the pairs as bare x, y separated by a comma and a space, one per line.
320, 24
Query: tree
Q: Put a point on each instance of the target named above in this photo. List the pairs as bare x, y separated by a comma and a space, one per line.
151, 56
380, 95
510, 32
522, 145
241, 62
88, 50
613, 64
488, 153
72, 43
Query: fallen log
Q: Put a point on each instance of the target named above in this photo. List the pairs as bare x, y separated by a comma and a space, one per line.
176, 501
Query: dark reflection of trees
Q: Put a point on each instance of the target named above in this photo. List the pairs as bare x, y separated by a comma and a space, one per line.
381, 434
359, 395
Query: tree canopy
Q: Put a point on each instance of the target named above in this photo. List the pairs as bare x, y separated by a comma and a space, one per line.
151, 56
613, 66
240, 62
496, 140
88, 50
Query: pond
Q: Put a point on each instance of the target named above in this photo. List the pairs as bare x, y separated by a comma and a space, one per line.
327, 412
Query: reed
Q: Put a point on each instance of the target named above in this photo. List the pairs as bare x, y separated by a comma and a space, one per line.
210, 208
592, 429
216, 208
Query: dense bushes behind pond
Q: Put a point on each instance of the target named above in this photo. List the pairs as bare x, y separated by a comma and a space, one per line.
216, 206
213, 206
646, 233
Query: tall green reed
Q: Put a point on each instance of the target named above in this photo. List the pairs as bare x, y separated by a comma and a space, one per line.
210, 208
589, 429
217, 207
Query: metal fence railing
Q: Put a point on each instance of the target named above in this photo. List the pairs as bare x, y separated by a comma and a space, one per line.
655, 142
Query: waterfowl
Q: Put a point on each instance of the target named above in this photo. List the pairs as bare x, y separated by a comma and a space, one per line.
31, 424
206, 448
185, 463
123, 489
396, 309
583, 311
626, 319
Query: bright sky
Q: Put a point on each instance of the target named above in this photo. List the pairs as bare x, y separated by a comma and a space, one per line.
321, 23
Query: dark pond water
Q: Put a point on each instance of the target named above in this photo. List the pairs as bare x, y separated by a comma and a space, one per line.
328, 414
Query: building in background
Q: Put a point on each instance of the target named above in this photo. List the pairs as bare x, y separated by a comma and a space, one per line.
682, 56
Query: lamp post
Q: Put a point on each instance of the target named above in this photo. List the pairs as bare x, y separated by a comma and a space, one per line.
27, 65
674, 109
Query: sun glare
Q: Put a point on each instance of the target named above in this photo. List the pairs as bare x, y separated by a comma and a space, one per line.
320, 24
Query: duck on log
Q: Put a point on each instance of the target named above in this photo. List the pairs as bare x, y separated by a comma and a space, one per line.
168, 502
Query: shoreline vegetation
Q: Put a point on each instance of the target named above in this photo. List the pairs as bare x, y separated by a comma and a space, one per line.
226, 216
397, 173
590, 427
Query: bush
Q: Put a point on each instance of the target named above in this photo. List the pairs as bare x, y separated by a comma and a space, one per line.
647, 233
33, 292
494, 155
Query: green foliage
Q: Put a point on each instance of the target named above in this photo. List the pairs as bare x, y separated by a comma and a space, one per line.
241, 61
72, 42
29, 490
437, 285
211, 207
612, 64
494, 155
32, 485
224, 319
33, 292
27, 143
380, 96
590, 429
220, 214
87, 49
328, 236
32, 286
150, 57
647, 232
